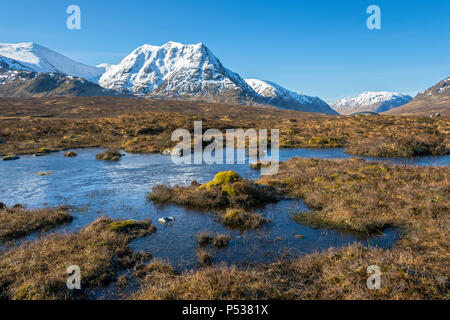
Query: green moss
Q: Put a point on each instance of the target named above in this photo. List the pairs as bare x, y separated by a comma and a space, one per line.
226, 180
121, 225
26, 292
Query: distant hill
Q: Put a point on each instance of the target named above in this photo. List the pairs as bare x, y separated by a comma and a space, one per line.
371, 101
16, 80
433, 100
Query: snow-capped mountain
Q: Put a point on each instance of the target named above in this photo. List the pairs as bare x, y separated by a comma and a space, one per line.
41, 59
283, 98
175, 70
371, 101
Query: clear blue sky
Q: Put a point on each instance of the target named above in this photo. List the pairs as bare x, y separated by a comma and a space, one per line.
320, 48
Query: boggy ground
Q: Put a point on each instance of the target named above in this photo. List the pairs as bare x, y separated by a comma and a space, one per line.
146, 125
345, 194
17, 222
37, 270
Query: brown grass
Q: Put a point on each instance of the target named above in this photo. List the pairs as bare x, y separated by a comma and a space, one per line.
241, 218
37, 270
146, 125
18, 222
245, 194
352, 195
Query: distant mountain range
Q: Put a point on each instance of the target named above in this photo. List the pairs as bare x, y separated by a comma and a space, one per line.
435, 99
182, 71
371, 101
173, 70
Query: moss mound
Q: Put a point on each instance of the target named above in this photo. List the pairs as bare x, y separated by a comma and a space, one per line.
226, 180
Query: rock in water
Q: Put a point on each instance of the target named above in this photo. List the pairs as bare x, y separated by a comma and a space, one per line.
165, 220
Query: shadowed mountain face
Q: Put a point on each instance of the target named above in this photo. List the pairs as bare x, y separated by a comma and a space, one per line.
435, 99
25, 84
280, 97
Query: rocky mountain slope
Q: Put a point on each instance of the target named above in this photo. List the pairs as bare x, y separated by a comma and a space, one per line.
435, 99
371, 101
18, 80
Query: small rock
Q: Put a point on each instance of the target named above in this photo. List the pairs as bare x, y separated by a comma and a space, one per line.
3, 141
175, 152
299, 236
17, 206
165, 220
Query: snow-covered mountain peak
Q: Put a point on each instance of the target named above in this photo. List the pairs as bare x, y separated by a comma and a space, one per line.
371, 101
174, 69
42, 59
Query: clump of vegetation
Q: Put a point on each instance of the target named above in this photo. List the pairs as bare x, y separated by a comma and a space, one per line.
225, 180
109, 155
155, 268
399, 147
70, 154
242, 218
140, 228
221, 240
260, 164
45, 173
326, 142
10, 157
203, 238
227, 189
37, 270
203, 258
18, 222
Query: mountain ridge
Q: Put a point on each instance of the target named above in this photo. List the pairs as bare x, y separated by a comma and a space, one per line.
435, 99
372, 101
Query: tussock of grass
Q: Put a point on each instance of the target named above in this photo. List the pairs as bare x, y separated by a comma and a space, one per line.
231, 191
37, 270
17, 222
221, 240
203, 258
242, 219
203, 238
110, 155
70, 154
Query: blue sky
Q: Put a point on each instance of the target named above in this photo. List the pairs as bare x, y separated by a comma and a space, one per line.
319, 48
